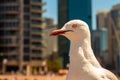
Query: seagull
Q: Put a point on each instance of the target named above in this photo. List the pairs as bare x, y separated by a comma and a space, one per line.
83, 64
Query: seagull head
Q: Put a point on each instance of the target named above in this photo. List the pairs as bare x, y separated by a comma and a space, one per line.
73, 30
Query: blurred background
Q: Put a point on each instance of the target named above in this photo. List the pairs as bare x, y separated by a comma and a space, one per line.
26, 47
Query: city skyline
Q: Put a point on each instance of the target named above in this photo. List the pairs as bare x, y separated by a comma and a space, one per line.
97, 5
25, 27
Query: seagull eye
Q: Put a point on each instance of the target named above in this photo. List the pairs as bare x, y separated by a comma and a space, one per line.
74, 26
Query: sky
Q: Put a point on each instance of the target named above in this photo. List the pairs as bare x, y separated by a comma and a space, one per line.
97, 5
51, 9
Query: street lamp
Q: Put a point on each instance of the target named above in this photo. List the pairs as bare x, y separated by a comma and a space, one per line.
4, 65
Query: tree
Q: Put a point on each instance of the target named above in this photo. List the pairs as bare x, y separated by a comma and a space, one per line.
54, 65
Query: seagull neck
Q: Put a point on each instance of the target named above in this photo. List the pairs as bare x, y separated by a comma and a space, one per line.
75, 47
87, 54
81, 42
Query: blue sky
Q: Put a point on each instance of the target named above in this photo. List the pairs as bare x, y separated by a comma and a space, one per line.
98, 5
51, 8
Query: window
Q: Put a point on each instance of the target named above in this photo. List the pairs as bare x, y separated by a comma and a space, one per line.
11, 0
26, 9
26, 1
36, 58
8, 16
1, 41
37, 44
36, 51
11, 24
1, 32
10, 8
26, 33
7, 1
1, 24
7, 32
7, 41
26, 58
27, 25
26, 41
36, 22
36, 7
116, 14
36, 15
1, 8
36, 37
26, 17
36, 30
26, 49
36, 0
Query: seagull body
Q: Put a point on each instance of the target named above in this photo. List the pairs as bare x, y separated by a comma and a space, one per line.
83, 64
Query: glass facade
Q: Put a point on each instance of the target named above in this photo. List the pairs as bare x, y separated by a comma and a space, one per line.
69, 10
100, 46
115, 41
80, 9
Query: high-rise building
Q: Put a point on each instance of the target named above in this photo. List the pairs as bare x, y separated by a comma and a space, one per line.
114, 36
101, 19
51, 42
100, 45
21, 37
100, 38
69, 10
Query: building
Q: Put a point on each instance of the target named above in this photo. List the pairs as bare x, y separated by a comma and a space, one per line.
100, 45
101, 19
100, 38
114, 36
51, 42
68, 10
21, 37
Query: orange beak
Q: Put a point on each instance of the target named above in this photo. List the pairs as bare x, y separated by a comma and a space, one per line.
59, 32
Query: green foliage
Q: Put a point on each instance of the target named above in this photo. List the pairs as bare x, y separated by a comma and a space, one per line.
54, 65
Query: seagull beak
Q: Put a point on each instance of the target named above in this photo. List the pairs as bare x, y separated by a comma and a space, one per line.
58, 32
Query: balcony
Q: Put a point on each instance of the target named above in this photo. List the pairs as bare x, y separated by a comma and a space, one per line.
12, 28
37, 47
36, 62
35, 54
13, 62
37, 3
9, 20
37, 33
38, 26
9, 45
13, 38
37, 41
41, 26
10, 12
38, 19
37, 11
13, 52
9, 41
9, 28
9, 4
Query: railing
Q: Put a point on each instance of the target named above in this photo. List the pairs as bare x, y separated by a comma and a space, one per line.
38, 3
9, 4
